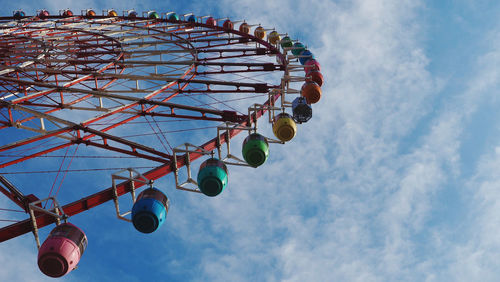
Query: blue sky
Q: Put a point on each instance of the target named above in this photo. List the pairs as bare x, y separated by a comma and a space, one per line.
394, 179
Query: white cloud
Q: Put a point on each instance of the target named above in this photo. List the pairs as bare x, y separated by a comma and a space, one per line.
473, 246
325, 194
341, 202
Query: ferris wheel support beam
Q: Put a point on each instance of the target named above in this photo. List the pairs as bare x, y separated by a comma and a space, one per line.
12, 192
44, 152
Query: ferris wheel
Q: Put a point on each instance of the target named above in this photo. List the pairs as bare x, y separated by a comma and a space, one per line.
125, 98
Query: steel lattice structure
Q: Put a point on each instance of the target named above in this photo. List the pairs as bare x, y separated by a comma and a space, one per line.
83, 93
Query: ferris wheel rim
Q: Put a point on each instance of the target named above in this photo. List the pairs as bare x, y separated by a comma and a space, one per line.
161, 170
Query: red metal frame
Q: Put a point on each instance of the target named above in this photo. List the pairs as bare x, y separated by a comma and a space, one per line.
147, 105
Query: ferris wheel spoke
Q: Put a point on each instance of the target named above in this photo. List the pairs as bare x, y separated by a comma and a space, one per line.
225, 54
12, 192
51, 87
264, 66
34, 155
105, 138
251, 51
56, 107
30, 140
151, 77
131, 152
257, 87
